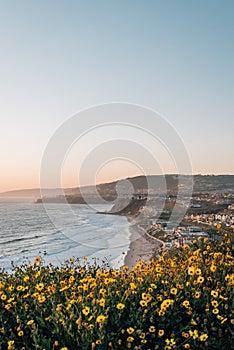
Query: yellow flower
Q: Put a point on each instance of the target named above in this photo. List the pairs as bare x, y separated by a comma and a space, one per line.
65, 348
100, 318
102, 291
26, 278
115, 273
71, 279
186, 346
160, 332
193, 334
161, 313
185, 334
197, 295
230, 279
200, 279
11, 288
158, 269
191, 271
120, 306
130, 339
59, 307
143, 303
185, 303
41, 298
215, 311
173, 291
10, 345
101, 302
146, 296
167, 303
86, 310
151, 329
30, 322
20, 333
19, 288
203, 337
170, 342
130, 330
39, 286
78, 321
133, 286
37, 274
125, 268
213, 268
214, 303
37, 260
214, 293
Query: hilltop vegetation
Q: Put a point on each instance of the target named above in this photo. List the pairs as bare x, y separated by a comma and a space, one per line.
202, 183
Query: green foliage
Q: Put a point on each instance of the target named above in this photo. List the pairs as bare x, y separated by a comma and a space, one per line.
183, 300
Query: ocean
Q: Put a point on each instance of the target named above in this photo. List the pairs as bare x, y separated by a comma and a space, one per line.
62, 231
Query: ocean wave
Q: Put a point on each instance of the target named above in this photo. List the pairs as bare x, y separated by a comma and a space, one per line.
85, 233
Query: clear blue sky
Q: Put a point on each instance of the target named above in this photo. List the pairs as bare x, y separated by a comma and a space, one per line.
58, 57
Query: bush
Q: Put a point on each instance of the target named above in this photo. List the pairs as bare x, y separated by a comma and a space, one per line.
183, 300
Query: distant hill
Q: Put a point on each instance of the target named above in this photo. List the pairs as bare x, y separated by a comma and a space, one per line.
139, 184
34, 192
213, 183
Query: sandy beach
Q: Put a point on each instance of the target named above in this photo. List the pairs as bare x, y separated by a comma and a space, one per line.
141, 246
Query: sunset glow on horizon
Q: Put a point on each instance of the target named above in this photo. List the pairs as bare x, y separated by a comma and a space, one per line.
58, 58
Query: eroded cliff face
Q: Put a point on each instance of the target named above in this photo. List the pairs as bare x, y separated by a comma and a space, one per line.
128, 207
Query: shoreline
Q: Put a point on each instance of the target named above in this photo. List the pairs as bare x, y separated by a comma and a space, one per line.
142, 246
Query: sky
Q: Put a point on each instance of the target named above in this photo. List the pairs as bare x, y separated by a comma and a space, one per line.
60, 57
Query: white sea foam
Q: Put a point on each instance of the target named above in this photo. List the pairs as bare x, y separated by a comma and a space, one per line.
27, 230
